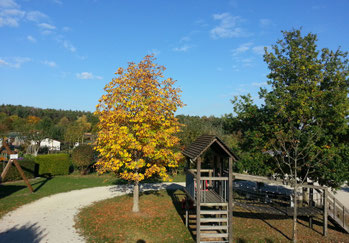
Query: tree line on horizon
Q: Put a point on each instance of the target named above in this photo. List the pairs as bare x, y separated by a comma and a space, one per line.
69, 126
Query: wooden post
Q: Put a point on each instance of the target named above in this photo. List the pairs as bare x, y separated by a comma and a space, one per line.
198, 198
3, 175
325, 212
221, 166
311, 204
311, 222
215, 165
210, 181
230, 201
188, 164
186, 212
343, 217
21, 172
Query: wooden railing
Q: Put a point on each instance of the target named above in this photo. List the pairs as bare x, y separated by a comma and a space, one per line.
189, 185
213, 189
338, 212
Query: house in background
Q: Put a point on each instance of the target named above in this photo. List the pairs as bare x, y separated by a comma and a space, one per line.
51, 144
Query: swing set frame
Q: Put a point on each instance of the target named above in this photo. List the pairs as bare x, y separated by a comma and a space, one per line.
15, 162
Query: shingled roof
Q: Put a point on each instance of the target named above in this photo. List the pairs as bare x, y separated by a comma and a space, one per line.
201, 144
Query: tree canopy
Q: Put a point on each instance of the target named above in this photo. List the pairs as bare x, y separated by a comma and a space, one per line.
303, 124
137, 126
300, 132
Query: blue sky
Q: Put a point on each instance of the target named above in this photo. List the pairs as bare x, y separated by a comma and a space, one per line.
60, 54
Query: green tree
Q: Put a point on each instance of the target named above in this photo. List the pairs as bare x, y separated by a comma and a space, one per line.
83, 157
33, 133
73, 134
247, 126
307, 110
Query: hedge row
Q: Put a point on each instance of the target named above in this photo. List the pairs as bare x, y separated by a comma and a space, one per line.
53, 164
29, 167
42, 165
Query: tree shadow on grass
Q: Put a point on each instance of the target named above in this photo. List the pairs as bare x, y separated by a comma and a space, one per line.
180, 207
47, 177
263, 217
26, 233
319, 222
177, 195
119, 181
6, 190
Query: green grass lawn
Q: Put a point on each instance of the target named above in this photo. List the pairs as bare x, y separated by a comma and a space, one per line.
161, 220
15, 194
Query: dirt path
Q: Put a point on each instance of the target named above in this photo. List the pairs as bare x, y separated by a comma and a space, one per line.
51, 219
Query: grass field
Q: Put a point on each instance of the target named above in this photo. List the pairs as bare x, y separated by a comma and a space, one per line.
112, 220
15, 194
161, 220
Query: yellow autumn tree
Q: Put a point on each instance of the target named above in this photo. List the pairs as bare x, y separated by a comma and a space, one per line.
137, 125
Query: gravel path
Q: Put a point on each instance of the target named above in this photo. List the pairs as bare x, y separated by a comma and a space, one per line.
51, 219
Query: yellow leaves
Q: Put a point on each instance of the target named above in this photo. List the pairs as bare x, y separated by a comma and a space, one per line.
33, 119
137, 123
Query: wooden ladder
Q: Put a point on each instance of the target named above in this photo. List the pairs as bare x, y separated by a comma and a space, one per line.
213, 225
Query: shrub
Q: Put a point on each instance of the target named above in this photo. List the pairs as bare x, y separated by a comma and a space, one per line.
29, 167
53, 164
83, 157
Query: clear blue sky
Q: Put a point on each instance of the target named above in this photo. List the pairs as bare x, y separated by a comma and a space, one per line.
60, 53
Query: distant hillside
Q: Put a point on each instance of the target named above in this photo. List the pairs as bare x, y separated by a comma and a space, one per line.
53, 114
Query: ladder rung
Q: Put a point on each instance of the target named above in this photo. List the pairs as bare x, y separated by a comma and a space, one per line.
213, 227
213, 204
213, 212
206, 220
214, 241
213, 235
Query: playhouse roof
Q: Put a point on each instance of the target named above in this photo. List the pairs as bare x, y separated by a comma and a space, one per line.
201, 144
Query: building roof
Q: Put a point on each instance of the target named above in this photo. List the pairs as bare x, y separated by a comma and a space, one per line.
201, 144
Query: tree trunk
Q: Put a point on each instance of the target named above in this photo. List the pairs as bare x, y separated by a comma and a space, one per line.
36, 149
135, 208
294, 237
